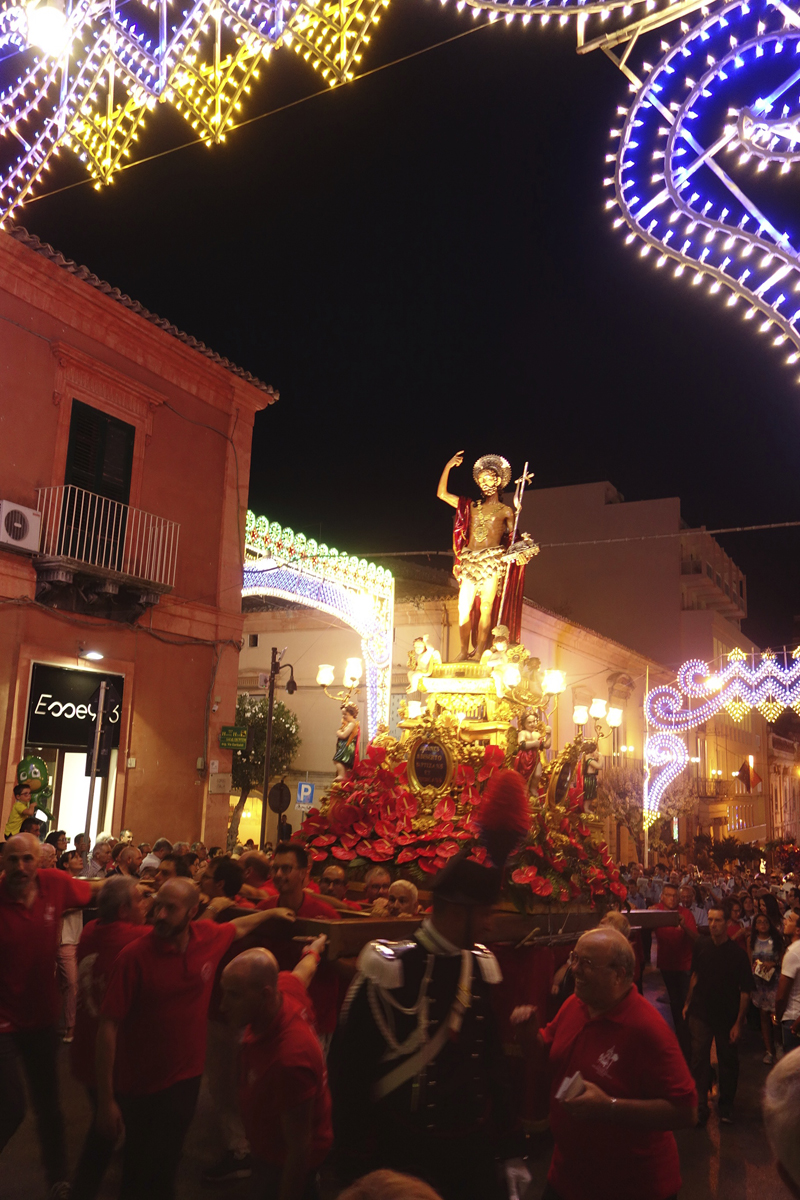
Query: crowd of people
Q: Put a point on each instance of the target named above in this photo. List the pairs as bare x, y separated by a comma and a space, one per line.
162, 964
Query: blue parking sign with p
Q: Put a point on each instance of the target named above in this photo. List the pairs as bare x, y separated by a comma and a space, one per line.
305, 795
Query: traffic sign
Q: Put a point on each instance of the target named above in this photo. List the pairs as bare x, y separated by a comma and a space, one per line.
279, 797
305, 795
233, 737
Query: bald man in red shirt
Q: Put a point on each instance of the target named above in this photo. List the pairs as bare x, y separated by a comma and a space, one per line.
283, 1090
32, 902
153, 1030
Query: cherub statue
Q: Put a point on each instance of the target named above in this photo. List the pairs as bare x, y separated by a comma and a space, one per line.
495, 660
532, 740
482, 543
592, 763
421, 661
347, 735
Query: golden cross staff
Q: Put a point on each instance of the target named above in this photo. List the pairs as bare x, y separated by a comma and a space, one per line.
519, 491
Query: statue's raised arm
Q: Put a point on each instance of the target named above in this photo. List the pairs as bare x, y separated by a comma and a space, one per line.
441, 490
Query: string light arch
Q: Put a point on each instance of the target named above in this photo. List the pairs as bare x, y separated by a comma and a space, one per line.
289, 566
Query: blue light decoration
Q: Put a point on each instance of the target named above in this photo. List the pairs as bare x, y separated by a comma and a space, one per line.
289, 566
82, 75
766, 684
699, 155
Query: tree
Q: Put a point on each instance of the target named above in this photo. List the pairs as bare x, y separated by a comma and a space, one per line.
248, 764
620, 796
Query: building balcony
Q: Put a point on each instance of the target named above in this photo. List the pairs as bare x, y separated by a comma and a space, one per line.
714, 789
96, 555
710, 578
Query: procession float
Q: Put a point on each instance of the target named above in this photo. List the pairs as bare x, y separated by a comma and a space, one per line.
411, 802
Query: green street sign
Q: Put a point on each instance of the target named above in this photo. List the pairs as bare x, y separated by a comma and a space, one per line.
233, 737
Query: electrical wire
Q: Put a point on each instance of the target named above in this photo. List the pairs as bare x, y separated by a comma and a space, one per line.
262, 116
644, 537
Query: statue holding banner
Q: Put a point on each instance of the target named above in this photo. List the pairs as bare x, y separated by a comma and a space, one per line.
489, 560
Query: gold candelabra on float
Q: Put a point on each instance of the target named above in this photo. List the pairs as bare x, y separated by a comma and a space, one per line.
354, 669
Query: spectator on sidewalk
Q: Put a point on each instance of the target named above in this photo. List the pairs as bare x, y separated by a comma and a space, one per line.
613, 1139
735, 929
128, 861
691, 896
32, 903
157, 1003
765, 951
674, 960
47, 857
83, 845
283, 1090
20, 809
787, 999
152, 860
782, 1118
100, 860
719, 996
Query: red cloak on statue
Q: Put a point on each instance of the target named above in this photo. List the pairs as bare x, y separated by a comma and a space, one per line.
511, 614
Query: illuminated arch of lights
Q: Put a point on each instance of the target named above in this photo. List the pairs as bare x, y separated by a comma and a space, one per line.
761, 681
290, 566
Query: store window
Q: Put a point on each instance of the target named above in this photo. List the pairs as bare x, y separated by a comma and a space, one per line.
60, 729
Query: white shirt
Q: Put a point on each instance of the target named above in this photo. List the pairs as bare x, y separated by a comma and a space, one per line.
72, 927
791, 968
150, 862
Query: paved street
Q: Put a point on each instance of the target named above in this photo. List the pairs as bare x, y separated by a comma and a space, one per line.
718, 1163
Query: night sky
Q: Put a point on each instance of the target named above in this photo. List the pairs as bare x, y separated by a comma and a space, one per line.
421, 263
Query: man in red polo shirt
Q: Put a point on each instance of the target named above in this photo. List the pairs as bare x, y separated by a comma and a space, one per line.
283, 1090
153, 1031
290, 874
32, 903
122, 909
612, 1138
675, 945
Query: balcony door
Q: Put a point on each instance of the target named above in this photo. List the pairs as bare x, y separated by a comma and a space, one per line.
98, 479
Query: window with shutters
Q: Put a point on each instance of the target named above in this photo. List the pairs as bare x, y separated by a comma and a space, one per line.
100, 453
94, 515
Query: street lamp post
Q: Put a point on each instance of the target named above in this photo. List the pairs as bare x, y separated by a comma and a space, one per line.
274, 670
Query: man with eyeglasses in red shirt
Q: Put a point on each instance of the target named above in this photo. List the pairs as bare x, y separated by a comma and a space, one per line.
630, 1085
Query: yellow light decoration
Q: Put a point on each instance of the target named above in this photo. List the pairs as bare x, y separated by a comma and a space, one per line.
101, 70
737, 709
770, 709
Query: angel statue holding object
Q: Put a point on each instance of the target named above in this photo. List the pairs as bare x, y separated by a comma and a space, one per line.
489, 564
532, 741
347, 735
421, 661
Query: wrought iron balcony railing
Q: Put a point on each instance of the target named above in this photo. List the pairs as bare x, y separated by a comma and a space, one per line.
102, 537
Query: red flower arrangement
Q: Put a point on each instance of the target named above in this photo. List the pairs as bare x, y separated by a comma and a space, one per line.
371, 819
